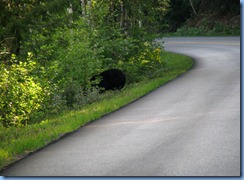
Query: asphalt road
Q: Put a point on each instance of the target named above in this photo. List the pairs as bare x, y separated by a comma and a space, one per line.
188, 127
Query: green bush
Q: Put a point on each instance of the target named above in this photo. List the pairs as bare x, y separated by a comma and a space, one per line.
21, 92
74, 64
142, 65
71, 58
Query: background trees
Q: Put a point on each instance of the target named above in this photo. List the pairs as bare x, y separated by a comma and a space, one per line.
219, 16
19, 19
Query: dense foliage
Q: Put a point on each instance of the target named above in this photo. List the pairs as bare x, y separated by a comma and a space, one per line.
49, 50
21, 91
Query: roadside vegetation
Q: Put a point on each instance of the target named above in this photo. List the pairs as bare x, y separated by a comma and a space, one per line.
218, 29
17, 142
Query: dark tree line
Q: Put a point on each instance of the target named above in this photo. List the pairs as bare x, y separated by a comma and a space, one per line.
182, 10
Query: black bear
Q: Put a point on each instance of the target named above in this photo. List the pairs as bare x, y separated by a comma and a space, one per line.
111, 79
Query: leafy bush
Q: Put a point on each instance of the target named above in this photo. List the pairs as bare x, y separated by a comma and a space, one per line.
71, 59
21, 92
134, 55
143, 64
75, 62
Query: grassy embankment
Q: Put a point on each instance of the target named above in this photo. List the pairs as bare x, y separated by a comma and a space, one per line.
17, 142
210, 25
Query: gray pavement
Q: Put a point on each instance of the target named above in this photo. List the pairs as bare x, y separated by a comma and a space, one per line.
188, 127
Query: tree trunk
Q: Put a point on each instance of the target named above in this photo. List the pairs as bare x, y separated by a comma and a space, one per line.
122, 15
89, 4
83, 6
192, 6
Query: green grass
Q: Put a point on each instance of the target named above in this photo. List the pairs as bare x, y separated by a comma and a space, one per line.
17, 142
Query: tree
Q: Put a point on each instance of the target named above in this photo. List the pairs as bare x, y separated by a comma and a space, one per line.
192, 6
19, 19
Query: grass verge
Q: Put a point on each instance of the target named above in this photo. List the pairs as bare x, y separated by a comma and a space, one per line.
17, 142
201, 31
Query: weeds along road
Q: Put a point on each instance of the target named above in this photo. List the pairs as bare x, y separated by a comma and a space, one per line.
188, 127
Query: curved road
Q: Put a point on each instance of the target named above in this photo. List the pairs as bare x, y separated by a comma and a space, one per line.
188, 127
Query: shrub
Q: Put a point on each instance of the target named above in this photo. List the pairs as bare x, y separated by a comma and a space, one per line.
21, 93
75, 63
145, 62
